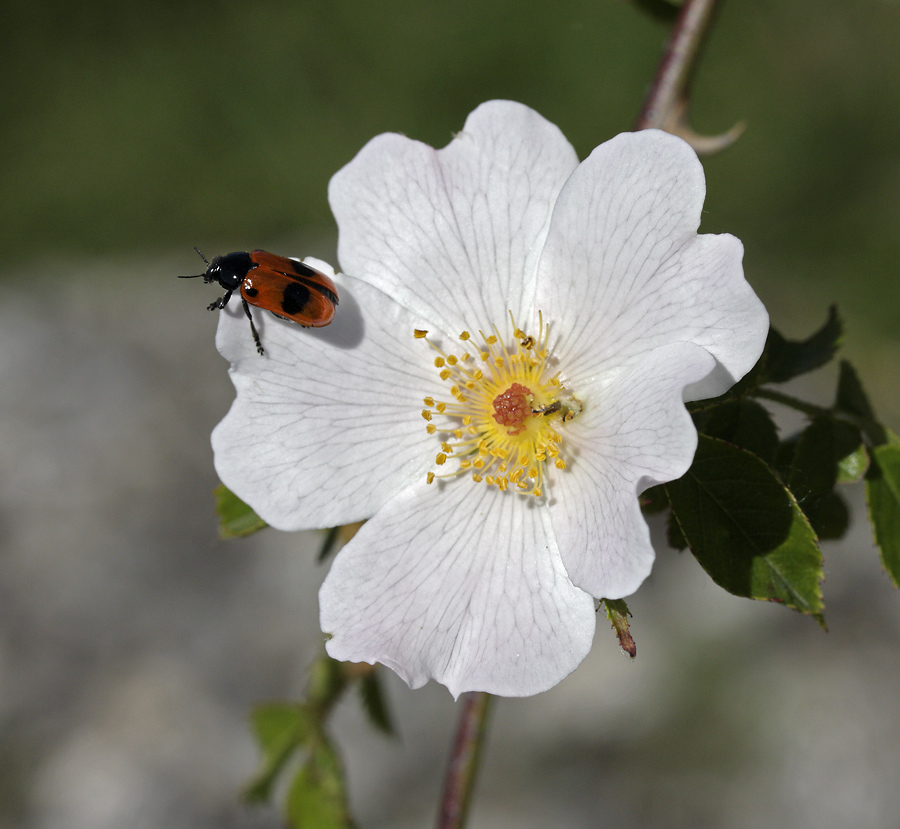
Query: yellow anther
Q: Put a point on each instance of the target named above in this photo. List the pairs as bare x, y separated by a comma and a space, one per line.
490, 436
429, 478
419, 334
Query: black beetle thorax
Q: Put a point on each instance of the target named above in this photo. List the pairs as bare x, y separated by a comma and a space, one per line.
229, 270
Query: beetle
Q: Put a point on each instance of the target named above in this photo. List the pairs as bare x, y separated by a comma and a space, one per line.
289, 289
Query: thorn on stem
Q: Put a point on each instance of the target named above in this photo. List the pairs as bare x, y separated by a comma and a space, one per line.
676, 122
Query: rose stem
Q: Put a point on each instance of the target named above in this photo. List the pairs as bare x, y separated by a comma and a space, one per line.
459, 779
669, 88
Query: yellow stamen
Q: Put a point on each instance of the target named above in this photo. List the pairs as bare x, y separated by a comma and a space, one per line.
507, 426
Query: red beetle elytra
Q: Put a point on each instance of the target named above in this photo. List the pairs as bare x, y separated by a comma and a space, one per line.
288, 288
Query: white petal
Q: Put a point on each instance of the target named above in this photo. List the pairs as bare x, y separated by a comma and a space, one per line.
460, 583
624, 271
455, 233
326, 426
634, 432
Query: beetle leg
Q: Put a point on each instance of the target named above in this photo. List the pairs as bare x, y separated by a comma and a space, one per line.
220, 303
253, 331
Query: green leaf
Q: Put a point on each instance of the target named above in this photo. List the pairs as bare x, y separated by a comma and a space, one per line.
328, 544
852, 399
235, 517
617, 612
850, 396
786, 359
328, 680
674, 535
280, 729
852, 468
744, 423
883, 495
828, 515
818, 454
374, 703
317, 798
784, 458
746, 529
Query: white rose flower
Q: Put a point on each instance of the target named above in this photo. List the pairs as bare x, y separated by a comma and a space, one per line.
570, 310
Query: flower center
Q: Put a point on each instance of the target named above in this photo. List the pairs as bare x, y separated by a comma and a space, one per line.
500, 420
511, 408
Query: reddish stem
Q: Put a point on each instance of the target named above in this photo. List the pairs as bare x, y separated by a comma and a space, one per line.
459, 779
669, 89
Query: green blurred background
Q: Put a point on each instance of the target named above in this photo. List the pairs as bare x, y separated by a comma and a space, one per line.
132, 644
131, 128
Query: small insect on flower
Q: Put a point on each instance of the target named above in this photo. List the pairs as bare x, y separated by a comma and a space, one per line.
289, 289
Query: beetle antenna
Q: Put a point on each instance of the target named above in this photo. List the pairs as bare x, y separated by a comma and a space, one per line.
196, 275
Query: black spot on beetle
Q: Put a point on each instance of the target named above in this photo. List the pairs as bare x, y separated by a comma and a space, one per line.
295, 297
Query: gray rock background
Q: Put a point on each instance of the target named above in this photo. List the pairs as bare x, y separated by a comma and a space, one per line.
133, 643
